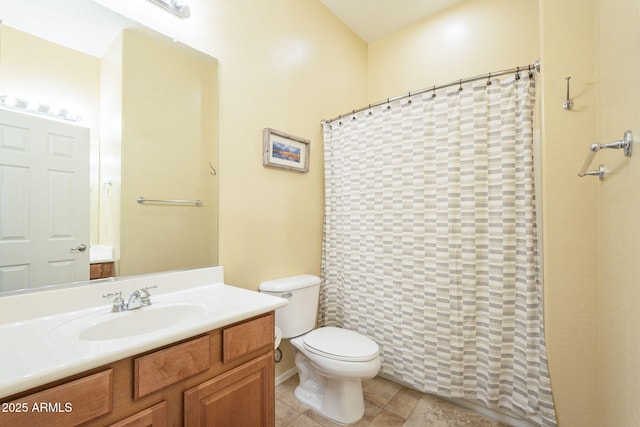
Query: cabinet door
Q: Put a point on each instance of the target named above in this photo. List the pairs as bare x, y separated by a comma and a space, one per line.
95, 271
107, 269
244, 396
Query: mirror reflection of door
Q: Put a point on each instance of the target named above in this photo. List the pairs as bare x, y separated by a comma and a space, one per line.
44, 202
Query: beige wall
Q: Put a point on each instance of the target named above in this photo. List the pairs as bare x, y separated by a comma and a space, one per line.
111, 147
169, 136
473, 38
38, 70
618, 208
592, 238
568, 46
297, 65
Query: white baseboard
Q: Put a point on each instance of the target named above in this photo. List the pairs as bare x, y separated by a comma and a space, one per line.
286, 375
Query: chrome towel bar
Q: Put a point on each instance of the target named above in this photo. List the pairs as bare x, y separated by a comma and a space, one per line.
624, 143
142, 200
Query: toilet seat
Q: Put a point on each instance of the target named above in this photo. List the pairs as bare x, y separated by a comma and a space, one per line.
341, 344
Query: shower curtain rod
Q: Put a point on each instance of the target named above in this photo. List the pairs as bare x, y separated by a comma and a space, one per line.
530, 67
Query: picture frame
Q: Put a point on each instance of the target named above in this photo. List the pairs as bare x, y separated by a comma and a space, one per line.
282, 150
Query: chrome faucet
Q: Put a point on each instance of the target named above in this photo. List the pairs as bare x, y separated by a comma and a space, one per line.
138, 299
142, 297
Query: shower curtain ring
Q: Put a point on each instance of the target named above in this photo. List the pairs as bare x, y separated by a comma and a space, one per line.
518, 73
409, 101
460, 87
489, 80
433, 95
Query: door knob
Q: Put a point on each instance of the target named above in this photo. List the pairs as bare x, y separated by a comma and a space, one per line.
80, 248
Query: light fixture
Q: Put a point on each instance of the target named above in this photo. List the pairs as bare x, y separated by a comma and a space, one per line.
37, 108
177, 7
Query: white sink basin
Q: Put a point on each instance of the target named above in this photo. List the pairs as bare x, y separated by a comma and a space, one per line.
140, 321
103, 326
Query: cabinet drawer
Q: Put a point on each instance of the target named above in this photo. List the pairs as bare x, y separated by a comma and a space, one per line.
165, 367
156, 416
242, 339
66, 405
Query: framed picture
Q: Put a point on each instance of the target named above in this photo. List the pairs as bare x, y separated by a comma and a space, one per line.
281, 150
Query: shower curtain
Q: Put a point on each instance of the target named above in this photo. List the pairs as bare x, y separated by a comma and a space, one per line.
430, 242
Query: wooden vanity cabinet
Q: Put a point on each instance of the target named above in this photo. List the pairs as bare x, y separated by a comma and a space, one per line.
101, 270
190, 383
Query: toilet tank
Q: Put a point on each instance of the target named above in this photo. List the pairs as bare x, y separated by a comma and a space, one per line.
299, 316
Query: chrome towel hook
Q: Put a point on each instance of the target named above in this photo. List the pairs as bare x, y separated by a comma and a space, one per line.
568, 103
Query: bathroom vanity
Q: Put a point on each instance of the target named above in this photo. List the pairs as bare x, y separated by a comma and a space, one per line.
101, 262
101, 270
210, 363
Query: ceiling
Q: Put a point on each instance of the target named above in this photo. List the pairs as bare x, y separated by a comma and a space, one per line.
374, 19
369, 19
79, 24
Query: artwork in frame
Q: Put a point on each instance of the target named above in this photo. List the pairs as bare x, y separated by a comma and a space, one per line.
281, 150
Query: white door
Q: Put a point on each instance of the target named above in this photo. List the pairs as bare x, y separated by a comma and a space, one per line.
44, 202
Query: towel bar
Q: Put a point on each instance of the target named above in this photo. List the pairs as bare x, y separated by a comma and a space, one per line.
624, 143
142, 200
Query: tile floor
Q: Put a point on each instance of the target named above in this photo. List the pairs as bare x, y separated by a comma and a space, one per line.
387, 404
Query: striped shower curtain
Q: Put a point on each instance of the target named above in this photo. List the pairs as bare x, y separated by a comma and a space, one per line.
430, 242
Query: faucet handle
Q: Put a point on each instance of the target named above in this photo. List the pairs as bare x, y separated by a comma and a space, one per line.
144, 293
114, 294
145, 296
118, 302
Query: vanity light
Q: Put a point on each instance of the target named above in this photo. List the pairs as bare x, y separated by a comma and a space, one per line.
33, 107
177, 7
9, 101
37, 108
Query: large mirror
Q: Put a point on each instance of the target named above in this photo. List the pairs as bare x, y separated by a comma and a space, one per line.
148, 126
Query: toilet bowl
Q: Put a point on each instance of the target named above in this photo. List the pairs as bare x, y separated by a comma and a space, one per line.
331, 362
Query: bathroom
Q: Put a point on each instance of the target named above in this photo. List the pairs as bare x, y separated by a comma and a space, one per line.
288, 64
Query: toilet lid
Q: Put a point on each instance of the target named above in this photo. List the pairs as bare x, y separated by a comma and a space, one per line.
341, 344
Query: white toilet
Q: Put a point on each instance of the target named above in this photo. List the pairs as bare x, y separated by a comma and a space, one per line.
331, 362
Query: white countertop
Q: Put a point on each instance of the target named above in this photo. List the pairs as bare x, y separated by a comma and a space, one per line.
40, 333
100, 253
